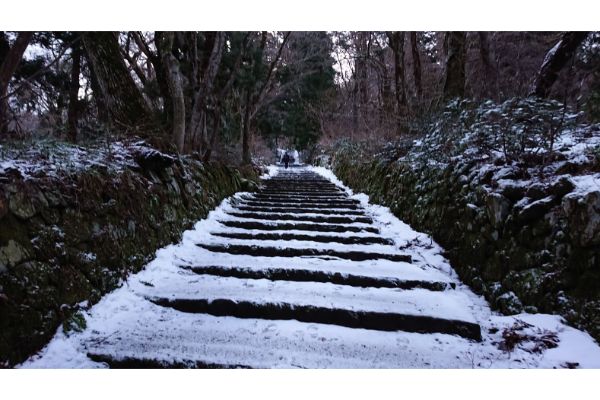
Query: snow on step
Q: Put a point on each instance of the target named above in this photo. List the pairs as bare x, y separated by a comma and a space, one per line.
295, 205
222, 229
307, 275
254, 250
286, 237
307, 226
287, 210
128, 327
452, 305
370, 268
302, 244
269, 216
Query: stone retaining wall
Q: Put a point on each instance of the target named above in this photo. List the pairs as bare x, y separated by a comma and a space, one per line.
66, 242
525, 248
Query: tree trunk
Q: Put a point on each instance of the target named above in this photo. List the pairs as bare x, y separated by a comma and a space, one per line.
8, 67
73, 112
361, 74
213, 136
246, 155
396, 40
160, 73
175, 85
123, 99
416, 65
489, 77
556, 58
454, 86
198, 117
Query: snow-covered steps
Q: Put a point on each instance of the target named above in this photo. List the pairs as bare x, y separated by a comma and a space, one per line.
380, 321
345, 239
377, 269
284, 226
331, 219
154, 336
287, 210
297, 274
302, 192
301, 198
312, 275
297, 206
416, 310
265, 251
312, 190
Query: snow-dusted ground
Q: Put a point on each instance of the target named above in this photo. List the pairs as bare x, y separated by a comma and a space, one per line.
127, 324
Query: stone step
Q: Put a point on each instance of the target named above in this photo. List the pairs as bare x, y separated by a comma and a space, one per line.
341, 196
303, 194
114, 362
288, 200
366, 240
295, 188
295, 185
160, 336
301, 217
298, 226
260, 251
303, 275
381, 321
302, 199
299, 210
296, 206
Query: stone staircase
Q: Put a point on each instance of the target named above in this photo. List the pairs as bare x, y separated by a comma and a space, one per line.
296, 274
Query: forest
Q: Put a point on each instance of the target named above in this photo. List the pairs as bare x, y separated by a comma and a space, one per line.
300, 199
234, 95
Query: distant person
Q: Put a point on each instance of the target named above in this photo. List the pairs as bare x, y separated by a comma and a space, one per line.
286, 159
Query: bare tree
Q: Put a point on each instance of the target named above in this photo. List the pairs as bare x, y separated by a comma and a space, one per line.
255, 99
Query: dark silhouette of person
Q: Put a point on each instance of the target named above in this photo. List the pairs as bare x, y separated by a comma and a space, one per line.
286, 159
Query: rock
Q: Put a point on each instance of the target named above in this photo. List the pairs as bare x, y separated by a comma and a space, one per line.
12, 254
508, 304
583, 214
55, 198
568, 167
152, 160
248, 185
463, 180
478, 285
498, 208
537, 191
536, 210
513, 191
561, 187
22, 205
530, 309
3, 206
